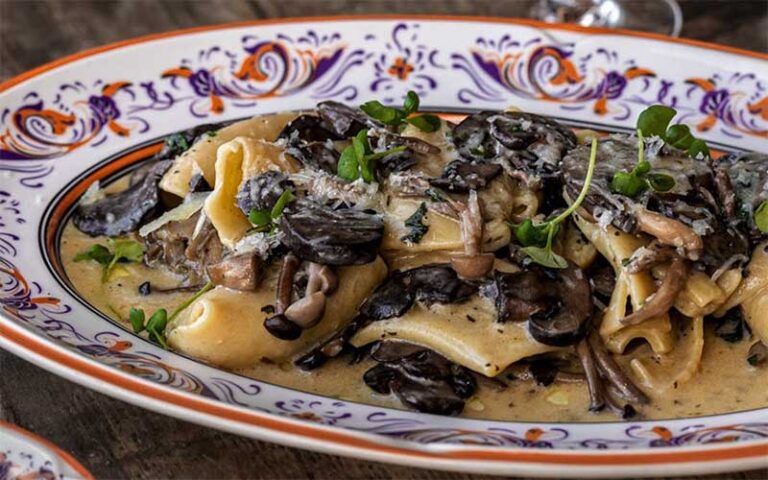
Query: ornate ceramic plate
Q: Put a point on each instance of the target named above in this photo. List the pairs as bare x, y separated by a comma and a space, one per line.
94, 114
23, 455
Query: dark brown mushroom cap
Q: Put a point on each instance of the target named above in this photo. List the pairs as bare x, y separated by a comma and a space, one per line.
262, 191
307, 140
691, 202
435, 283
438, 283
619, 154
390, 299
747, 182
420, 378
528, 142
343, 120
123, 212
317, 233
308, 128
462, 176
556, 303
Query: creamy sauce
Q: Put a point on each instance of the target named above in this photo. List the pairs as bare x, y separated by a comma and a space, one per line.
725, 381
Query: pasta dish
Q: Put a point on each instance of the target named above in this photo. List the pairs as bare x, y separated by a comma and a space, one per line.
504, 266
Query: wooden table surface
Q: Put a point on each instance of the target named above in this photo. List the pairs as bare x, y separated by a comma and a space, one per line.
116, 440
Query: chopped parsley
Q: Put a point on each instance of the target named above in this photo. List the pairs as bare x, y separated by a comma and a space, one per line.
416, 225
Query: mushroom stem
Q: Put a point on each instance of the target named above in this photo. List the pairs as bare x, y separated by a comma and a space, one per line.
669, 232
613, 372
613, 401
285, 282
473, 264
595, 386
661, 301
309, 310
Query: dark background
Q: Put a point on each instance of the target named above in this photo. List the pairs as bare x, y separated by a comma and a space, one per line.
117, 440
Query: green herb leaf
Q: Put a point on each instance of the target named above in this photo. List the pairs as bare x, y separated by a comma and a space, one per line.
697, 147
360, 144
679, 136
530, 235
425, 123
411, 103
655, 119
97, 253
282, 201
399, 117
156, 327
128, 250
384, 114
136, 317
628, 184
660, 182
761, 217
416, 225
259, 218
348, 167
546, 257
121, 251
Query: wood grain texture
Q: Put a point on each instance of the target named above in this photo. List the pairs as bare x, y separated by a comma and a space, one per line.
117, 440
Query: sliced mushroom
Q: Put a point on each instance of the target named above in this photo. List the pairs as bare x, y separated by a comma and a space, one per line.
473, 267
595, 386
307, 311
669, 232
125, 211
645, 258
665, 296
461, 176
526, 142
557, 304
344, 121
613, 373
262, 191
386, 140
186, 247
239, 272
422, 380
309, 139
473, 264
742, 188
390, 299
332, 237
437, 283
331, 347
288, 270
280, 327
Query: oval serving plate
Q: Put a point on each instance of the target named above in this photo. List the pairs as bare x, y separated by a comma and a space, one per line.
95, 114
